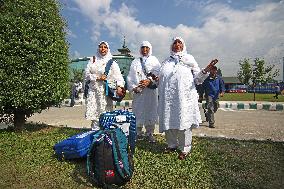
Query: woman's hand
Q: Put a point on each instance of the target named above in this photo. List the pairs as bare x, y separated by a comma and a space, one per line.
210, 65
145, 83
102, 78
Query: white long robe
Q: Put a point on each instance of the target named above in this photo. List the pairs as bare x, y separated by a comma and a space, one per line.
178, 98
97, 102
144, 104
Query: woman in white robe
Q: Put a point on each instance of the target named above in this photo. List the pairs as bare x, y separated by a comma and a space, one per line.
97, 102
145, 102
178, 99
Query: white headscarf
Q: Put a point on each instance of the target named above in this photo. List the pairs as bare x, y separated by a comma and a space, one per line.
146, 44
108, 55
182, 56
183, 52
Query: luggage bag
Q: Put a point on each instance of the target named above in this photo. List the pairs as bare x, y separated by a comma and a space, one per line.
110, 160
76, 146
125, 120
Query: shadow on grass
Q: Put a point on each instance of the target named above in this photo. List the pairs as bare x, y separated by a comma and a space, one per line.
79, 173
28, 127
155, 148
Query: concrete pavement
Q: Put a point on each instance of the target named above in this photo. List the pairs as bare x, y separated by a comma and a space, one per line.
239, 124
235, 105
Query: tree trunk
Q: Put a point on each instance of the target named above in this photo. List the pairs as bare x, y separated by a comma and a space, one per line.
19, 121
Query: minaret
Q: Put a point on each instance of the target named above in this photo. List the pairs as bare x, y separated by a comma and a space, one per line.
124, 50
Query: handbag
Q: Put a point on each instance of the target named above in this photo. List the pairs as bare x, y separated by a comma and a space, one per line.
110, 86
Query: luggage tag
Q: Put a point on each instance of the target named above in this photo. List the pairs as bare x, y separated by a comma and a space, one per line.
121, 121
120, 118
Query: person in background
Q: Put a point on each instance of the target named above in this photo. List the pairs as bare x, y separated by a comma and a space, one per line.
79, 88
178, 99
277, 91
97, 102
75, 89
200, 92
212, 86
73, 94
145, 96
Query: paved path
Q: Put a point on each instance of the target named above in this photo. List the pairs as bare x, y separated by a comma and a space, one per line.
239, 124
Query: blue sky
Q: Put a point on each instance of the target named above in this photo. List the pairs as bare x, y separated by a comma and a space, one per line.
229, 30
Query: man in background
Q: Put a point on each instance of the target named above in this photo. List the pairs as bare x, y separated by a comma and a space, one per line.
213, 86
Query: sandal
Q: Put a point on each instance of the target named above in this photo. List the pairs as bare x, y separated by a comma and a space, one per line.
183, 155
169, 150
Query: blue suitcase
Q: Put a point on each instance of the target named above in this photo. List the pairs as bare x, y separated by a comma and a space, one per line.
76, 146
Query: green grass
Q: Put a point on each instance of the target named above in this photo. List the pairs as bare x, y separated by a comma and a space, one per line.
249, 97
241, 97
27, 160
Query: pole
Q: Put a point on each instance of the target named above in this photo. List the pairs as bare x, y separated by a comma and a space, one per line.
283, 71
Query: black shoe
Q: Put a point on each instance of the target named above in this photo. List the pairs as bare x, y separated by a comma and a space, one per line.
211, 126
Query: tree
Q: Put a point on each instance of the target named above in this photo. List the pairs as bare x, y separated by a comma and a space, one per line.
256, 73
264, 74
33, 59
78, 75
245, 72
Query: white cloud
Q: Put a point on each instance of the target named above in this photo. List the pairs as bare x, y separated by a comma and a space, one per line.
227, 34
75, 55
71, 34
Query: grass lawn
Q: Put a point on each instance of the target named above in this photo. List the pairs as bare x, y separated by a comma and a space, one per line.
27, 160
249, 97
241, 97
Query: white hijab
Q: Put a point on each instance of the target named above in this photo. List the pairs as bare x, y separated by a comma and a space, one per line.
181, 53
182, 56
146, 44
108, 56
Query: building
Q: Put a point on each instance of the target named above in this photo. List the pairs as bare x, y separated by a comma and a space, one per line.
124, 59
233, 85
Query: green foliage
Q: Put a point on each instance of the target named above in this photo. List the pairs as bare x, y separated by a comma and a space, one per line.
245, 72
256, 72
33, 56
263, 74
77, 75
27, 160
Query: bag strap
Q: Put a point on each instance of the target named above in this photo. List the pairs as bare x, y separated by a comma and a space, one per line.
120, 162
143, 66
174, 59
108, 65
107, 69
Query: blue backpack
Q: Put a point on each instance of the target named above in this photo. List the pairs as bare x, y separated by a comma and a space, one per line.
110, 158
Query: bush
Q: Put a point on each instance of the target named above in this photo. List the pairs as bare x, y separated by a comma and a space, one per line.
33, 58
